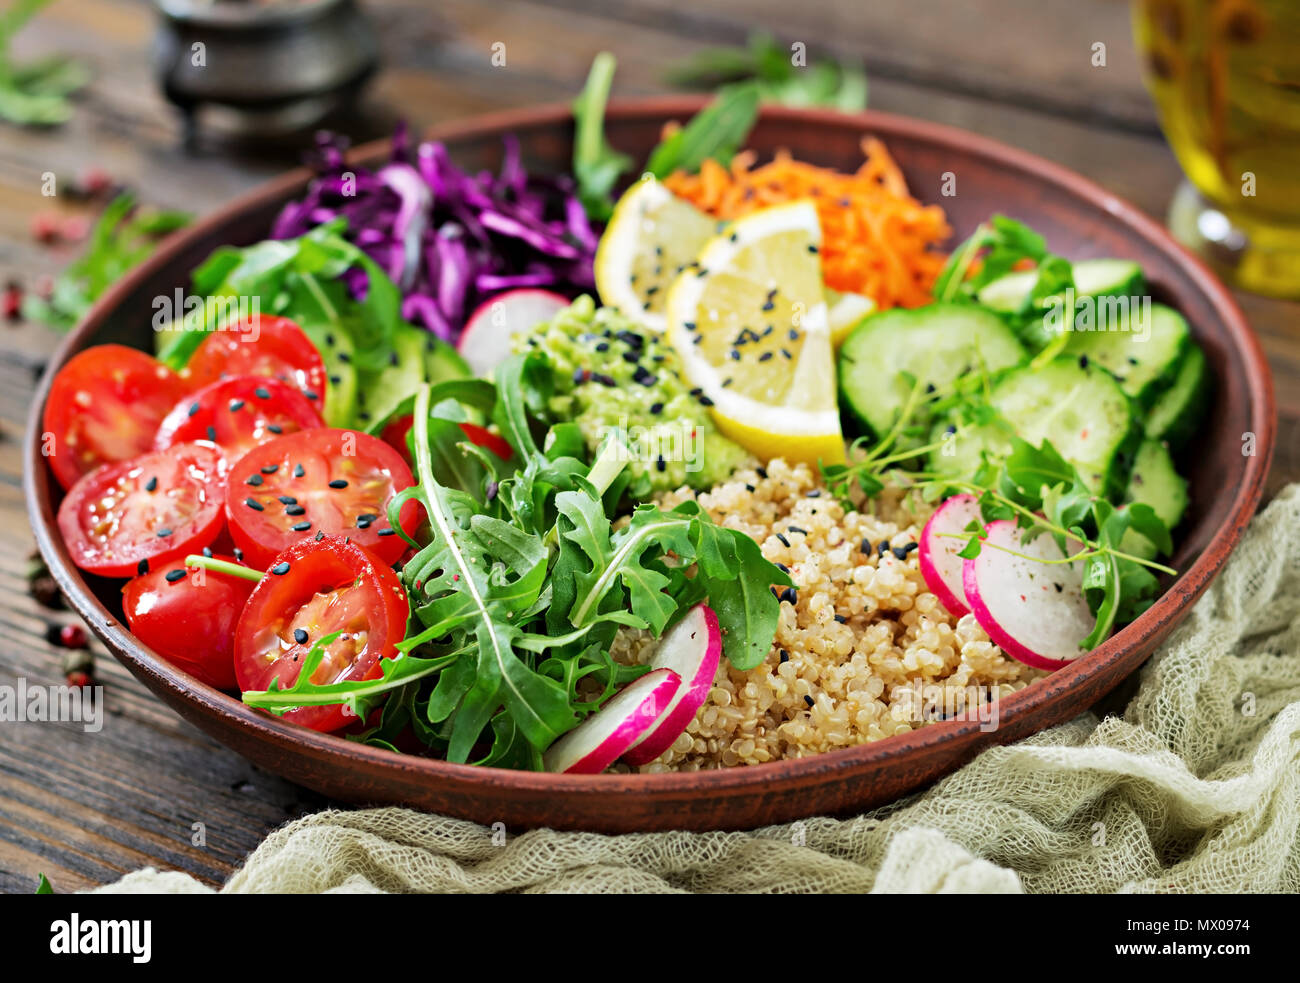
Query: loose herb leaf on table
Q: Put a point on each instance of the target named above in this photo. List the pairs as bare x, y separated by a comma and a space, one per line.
34, 93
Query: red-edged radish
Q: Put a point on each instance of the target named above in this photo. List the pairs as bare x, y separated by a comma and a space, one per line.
691, 648
1033, 611
485, 342
940, 565
605, 736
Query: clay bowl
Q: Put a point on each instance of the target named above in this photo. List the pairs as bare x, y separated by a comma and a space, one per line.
1079, 219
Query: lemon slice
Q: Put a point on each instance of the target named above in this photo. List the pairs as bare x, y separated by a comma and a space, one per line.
845, 310
651, 238
750, 323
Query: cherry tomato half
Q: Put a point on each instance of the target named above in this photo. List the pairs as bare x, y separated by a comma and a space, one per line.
313, 589
335, 482
104, 406
396, 432
189, 615
157, 507
261, 346
238, 414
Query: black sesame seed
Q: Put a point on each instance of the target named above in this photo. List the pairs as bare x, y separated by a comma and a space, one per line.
142, 567
796, 529
785, 656
151, 484
364, 523
298, 471
207, 551
273, 427
261, 392
164, 533
1083, 361
319, 535
789, 595
339, 483
236, 405
882, 548
386, 531
1058, 587
651, 291
345, 358
253, 479
239, 554
194, 408
794, 334
688, 325
602, 346
254, 504
329, 339
786, 353
841, 619
294, 510
270, 469
288, 500
761, 472
661, 464
865, 547
174, 575
783, 568
749, 487
392, 359
311, 394
281, 568
336, 379
899, 552
768, 305
813, 248
300, 526
705, 401
766, 356
368, 516
815, 493
809, 700
784, 542
656, 408
300, 636
696, 391
212, 434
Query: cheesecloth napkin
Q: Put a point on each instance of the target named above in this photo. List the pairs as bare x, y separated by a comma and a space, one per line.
1196, 788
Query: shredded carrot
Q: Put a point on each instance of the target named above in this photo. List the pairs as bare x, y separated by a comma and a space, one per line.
877, 239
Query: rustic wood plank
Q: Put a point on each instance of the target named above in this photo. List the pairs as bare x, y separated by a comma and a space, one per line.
85, 808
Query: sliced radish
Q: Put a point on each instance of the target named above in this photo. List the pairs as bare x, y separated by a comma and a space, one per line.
940, 565
1033, 611
605, 736
691, 648
485, 342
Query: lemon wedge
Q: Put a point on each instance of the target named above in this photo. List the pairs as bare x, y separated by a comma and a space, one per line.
651, 238
750, 322
844, 312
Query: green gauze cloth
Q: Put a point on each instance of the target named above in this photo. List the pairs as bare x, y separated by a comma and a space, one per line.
1196, 788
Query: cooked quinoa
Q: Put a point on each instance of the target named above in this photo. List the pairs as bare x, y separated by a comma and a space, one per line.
864, 651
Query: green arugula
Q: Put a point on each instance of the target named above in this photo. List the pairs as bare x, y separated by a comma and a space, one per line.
34, 93
122, 238
839, 84
43, 885
717, 131
521, 581
596, 165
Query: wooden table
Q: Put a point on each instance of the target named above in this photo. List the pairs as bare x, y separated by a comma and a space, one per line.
85, 809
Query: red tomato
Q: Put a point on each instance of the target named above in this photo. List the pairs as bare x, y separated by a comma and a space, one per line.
313, 589
336, 482
261, 346
396, 432
157, 507
105, 406
189, 615
238, 414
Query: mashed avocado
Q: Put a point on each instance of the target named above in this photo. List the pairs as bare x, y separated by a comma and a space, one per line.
610, 375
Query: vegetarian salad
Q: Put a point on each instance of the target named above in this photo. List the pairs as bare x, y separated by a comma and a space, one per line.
737, 465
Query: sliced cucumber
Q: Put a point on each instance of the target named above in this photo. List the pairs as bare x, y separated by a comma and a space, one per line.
1155, 482
336, 352
1142, 348
1178, 411
894, 350
1092, 278
1081, 410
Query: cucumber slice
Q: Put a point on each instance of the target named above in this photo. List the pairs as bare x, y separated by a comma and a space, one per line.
1081, 410
1178, 411
934, 345
1092, 278
1142, 348
336, 352
1155, 482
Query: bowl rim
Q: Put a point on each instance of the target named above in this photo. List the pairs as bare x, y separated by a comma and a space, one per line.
1052, 690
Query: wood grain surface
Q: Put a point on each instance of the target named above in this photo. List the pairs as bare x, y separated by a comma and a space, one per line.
83, 808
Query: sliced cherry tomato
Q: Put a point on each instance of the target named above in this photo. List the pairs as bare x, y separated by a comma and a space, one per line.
335, 482
157, 507
261, 346
189, 615
104, 406
238, 414
314, 589
396, 432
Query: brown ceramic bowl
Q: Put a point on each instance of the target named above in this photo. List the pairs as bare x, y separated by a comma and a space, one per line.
1079, 219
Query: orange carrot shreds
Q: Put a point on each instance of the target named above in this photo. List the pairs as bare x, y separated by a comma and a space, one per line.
877, 239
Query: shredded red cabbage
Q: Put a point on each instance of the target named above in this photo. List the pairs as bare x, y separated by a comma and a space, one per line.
449, 239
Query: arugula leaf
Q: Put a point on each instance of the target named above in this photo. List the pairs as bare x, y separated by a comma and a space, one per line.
34, 93
717, 131
43, 885
596, 165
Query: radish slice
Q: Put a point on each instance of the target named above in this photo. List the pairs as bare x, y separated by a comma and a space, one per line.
605, 736
1035, 612
940, 565
691, 649
485, 342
